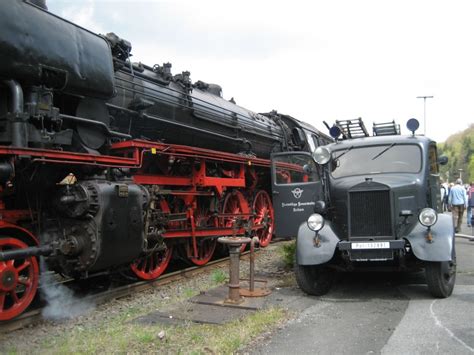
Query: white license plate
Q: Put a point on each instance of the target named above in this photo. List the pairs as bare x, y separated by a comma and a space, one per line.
371, 245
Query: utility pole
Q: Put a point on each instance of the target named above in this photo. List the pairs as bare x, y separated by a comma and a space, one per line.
424, 110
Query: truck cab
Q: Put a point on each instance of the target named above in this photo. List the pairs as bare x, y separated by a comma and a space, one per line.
376, 207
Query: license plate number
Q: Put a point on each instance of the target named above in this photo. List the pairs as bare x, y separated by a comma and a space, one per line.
371, 245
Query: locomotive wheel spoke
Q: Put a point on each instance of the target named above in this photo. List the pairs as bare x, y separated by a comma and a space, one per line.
18, 280
14, 296
264, 218
23, 282
23, 266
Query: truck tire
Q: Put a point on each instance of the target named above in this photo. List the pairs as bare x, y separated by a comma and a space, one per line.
314, 280
441, 276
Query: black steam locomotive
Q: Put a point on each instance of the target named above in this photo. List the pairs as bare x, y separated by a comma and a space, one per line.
105, 163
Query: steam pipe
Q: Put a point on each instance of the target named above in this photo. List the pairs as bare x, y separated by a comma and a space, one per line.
18, 128
26, 252
17, 95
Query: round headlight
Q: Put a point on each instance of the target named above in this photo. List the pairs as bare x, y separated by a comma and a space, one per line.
428, 217
315, 222
322, 155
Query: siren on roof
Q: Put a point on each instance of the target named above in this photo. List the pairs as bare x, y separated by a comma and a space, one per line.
335, 131
413, 125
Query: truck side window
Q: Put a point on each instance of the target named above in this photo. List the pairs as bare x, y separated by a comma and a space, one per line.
433, 160
295, 169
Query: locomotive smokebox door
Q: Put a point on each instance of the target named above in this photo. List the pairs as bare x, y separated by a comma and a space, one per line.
296, 187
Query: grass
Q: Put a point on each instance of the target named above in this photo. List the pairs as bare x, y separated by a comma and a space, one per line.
127, 337
117, 333
287, 252
218, 276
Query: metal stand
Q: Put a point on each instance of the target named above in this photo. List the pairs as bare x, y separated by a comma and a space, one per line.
252, 291
234, 244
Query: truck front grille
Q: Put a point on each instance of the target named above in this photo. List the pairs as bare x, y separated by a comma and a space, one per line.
370, 214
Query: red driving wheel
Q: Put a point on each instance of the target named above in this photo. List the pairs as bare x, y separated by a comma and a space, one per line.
205, 246
234, 204
264, 217
155, 261
18, 280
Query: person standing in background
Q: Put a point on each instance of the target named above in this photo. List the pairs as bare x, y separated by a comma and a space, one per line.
457, 199
470, 203
443, 194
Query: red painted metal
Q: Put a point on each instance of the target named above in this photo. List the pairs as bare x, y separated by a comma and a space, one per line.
7, 228
13, 216
155, 262
152, 265
200, 251
264, 218
18, 280
236, 207
162, 180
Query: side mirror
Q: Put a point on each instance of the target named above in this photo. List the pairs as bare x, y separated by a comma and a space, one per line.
443, 160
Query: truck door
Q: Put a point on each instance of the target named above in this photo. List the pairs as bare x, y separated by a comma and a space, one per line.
296, 186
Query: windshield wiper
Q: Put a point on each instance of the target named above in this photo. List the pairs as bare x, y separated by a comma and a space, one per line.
344, 152
383, 151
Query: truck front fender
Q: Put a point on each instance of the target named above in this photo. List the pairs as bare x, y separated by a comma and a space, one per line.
311, 251
442, 242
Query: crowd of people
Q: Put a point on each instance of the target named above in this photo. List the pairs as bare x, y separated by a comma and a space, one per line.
456, 198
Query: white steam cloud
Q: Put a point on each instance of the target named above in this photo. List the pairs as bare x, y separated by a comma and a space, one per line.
61, 302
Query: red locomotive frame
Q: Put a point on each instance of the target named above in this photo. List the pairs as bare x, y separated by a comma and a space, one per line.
216, 194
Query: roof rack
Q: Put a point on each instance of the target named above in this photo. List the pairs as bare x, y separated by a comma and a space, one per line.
352, 128
386, 129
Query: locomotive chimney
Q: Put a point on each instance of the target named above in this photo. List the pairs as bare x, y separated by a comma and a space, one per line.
39, 3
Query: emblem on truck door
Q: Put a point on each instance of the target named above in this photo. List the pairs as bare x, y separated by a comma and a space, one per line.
297, 192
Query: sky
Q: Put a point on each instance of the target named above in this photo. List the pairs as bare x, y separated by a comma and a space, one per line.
314, 60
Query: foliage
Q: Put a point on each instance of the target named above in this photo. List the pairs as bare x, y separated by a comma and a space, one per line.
287, 251
122, 335
218, 276
459, 148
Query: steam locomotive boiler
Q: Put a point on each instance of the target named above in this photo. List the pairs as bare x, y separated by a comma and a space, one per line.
107, 164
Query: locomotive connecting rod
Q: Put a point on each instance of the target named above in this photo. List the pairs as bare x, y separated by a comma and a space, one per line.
26, 252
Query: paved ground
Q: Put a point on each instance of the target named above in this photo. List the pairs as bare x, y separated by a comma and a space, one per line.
381, 314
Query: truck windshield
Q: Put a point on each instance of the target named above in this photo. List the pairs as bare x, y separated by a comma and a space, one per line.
389, 158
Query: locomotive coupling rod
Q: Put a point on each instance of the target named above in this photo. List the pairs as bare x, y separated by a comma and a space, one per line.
26, 252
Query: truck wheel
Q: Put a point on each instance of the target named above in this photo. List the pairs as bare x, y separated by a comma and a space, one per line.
314, 280
440, 277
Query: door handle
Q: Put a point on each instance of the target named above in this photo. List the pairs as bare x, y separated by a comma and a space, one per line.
276, 192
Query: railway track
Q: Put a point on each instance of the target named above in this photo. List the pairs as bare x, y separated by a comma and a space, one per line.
35, 315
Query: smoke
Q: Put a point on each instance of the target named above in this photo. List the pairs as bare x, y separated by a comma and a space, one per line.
61, 304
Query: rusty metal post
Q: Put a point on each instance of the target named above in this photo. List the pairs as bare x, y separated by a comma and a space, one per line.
234, 244
252, 291
252, 263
